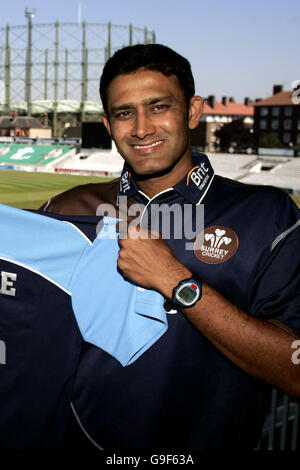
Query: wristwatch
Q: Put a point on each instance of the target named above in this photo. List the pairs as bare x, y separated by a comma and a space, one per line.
185, 294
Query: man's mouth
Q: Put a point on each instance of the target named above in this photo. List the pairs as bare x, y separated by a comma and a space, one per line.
147, 146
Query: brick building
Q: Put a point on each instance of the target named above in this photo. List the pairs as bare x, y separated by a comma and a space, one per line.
23, 126
278, 115
215, 115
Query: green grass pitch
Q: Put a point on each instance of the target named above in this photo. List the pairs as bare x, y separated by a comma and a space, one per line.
30, 190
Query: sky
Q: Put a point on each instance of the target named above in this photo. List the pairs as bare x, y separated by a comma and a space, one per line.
236, 48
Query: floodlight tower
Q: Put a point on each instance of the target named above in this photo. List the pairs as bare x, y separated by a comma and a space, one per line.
30, 14
79, 12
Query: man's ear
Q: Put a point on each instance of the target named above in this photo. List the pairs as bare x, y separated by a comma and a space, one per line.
106, 123
195, 111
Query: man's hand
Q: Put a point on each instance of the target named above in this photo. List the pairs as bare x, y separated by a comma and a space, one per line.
150, 262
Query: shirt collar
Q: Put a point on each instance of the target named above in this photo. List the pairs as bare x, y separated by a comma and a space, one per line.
192, 187
195, 184
127, 185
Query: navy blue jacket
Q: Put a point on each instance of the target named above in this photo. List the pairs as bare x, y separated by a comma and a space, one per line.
183, 393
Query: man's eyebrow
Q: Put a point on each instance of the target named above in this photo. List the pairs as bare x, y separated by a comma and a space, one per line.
115, 109
149, 101
157, 99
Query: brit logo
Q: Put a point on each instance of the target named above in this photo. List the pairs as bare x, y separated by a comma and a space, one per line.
216, 244
124, 182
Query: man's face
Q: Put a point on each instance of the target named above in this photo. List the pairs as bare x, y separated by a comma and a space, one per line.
149, 121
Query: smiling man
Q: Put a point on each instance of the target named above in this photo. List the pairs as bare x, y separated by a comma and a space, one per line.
233, 301
149, 120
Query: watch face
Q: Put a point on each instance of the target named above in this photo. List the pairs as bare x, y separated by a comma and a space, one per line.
188, 294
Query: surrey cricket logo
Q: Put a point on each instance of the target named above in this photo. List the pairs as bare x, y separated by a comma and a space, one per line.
216, 244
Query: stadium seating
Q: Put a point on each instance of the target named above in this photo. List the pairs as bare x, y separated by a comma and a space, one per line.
103, 160
282, 172
16, 154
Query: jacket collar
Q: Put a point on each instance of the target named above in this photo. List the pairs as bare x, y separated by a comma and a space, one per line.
192, 187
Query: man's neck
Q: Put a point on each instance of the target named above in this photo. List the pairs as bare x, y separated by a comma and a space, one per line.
155, 184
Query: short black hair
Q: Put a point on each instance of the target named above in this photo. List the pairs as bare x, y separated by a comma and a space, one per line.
154, 57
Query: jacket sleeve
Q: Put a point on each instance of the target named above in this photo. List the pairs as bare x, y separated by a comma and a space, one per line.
276, 287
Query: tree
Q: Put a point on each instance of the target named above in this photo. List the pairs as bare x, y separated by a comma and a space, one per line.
270, 141
235, 134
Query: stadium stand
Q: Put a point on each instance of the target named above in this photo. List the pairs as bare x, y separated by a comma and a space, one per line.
282, 172
231, 166
17, 154
93, 161
100, 161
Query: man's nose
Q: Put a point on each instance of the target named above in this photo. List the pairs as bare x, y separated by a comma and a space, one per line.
143, 125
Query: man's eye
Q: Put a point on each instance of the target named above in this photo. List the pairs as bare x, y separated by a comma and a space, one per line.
159, 108
124, 115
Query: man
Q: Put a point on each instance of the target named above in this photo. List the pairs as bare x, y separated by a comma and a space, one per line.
234, 299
